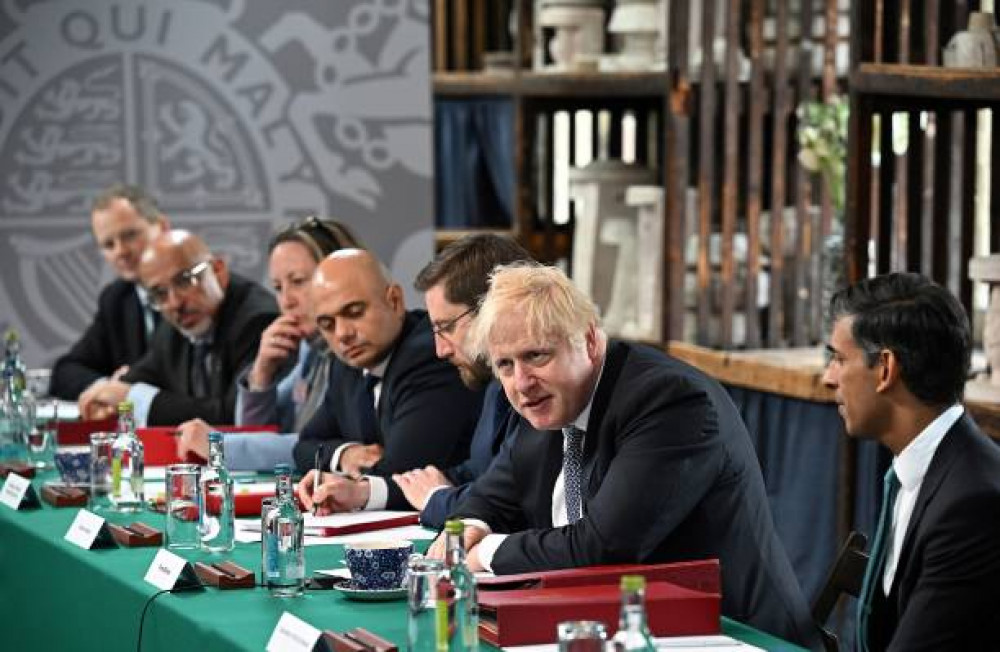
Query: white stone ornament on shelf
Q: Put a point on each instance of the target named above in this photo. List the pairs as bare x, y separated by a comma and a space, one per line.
976, 47
577, 34
986, 387
606, 247
639, 28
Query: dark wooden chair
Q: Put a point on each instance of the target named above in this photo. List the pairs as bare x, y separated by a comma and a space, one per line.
845, 576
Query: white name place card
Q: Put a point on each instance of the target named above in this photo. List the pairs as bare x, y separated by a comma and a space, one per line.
17, 492
170, 571
293, 634
88, 530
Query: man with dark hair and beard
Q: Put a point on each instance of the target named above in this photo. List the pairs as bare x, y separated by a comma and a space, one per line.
453, 284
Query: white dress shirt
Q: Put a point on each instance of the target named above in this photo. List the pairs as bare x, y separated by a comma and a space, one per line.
911, 467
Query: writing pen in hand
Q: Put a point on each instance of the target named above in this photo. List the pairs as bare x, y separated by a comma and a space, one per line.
318, 472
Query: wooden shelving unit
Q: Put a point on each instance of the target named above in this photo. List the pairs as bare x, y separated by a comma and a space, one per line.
916, 207
933, 87
715, 131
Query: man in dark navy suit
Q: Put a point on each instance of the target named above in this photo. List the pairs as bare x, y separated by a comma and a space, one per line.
391, 405
900, 353
453, 285
622, 454
124, 219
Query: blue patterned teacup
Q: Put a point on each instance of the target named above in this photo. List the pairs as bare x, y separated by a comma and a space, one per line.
378, 565
73, 463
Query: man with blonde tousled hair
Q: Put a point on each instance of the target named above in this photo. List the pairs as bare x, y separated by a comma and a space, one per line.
621, 455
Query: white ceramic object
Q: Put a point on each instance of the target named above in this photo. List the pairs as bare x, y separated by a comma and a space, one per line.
976, 47
578, 34
605, 237
637, 26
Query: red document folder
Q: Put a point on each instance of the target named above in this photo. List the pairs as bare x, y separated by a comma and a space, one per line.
366, 526
244, 503
701, 575
530, 616
72, 433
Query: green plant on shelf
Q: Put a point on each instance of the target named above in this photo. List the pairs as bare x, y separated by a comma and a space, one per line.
822, 134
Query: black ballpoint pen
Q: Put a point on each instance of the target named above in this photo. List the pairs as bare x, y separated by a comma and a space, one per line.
319, 455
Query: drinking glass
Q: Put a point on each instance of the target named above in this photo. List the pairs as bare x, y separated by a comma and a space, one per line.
101, 456
266, 505
581, 636
422, 583
38, 382
183, 530
43, 434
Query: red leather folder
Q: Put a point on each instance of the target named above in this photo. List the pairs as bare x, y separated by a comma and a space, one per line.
75, 433
530, 616
161, 443
244, 504
368, 526
701, 575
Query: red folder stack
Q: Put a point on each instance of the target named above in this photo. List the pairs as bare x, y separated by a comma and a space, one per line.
682, 599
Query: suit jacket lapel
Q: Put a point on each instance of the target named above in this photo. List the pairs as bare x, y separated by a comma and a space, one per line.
538, 445
614, 361
134, 319
943, 458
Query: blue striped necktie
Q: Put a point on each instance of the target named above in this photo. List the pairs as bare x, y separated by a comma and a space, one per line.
572, 464
876, 559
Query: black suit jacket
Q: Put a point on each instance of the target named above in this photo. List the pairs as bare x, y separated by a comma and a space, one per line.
669, 474
245, 312
946, 589
116, 337
425, 414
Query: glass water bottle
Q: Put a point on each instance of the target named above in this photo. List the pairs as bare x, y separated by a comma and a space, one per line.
283, 548
128, 464
457, 609
217, 511
633, 631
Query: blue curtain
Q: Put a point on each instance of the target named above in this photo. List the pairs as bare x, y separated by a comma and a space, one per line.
799, 444
474, 179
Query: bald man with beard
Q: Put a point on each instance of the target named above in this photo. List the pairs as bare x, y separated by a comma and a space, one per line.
392, 404
213, 321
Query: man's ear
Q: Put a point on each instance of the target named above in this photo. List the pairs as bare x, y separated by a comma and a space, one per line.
888, 370
394, 297
592, 340
221, 269
161, 225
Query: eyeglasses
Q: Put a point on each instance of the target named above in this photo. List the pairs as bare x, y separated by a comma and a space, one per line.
447, 328
182, 282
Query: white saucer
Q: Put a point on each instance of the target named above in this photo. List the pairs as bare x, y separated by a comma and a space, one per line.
370, 595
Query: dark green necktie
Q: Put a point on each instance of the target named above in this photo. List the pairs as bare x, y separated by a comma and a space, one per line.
876, 560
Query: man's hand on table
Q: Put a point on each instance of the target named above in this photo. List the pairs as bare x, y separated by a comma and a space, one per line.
418, 484
192, 437
100, 400
335, 493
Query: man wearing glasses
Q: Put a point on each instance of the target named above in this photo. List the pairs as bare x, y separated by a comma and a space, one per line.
453, 285
216, 319
124, 219
392, 405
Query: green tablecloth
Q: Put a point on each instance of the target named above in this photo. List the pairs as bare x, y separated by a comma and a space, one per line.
57, 596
